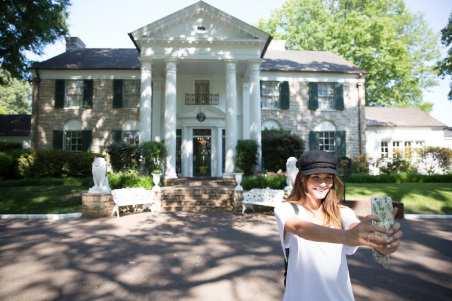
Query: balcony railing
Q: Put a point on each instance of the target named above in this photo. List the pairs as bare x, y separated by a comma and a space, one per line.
202, 99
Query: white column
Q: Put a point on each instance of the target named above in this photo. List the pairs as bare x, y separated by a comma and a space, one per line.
187, 150
255, 100
170, 119
145, 102
157, 109
220, 151
231, 117
246, 110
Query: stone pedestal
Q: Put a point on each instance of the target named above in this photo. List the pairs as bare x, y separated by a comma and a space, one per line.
237, 204
97, 204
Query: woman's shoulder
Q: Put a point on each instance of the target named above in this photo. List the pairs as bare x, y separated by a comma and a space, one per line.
287, 207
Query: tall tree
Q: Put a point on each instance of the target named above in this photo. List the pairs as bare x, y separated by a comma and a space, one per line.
445, 66
395, 47
15, 95
27, 25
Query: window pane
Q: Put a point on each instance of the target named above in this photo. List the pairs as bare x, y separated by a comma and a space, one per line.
131, 92
73, 141
130, 137
326, 96
327, 141
74, 93
270, 94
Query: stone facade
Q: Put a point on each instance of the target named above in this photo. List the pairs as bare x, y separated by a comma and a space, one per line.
300, 120
101, 118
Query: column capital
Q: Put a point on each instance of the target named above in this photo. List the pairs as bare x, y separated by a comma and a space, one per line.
170, 60
230, 65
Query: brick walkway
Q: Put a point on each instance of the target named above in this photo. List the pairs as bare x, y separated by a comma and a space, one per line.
196, 257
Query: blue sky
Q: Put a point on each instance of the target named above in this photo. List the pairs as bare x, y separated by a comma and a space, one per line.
105, 24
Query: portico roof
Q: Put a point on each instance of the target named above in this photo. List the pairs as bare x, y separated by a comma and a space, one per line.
217, 25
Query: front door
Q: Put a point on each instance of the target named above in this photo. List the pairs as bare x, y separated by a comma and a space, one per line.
202, 142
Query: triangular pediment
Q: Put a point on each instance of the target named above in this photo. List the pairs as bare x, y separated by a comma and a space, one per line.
198, 22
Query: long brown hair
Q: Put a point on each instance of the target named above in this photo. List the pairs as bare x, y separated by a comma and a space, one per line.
330, 204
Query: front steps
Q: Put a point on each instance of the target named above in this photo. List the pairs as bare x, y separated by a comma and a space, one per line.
198, 195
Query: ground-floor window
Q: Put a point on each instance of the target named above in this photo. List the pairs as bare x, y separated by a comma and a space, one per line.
400, 149
131, 137
384, 149
327, 141
73, 141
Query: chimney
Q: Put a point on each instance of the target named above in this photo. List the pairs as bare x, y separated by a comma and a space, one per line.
74, 43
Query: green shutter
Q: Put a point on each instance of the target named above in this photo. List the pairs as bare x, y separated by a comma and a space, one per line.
117, 93
313, 141
339, 97
88, 93
86, 140
59, 93
117, 136
284, 95
341, 146
58, 140
313, 103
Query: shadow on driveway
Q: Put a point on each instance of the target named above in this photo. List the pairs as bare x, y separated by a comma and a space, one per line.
186, 256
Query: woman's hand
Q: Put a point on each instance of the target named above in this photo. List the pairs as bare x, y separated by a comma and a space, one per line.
367, 234
393, 240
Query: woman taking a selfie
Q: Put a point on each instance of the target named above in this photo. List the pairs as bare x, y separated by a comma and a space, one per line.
318, 232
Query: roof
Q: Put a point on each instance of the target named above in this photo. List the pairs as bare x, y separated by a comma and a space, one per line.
316, 61
404, 117
93, 58
15, 125
127, 58
199, 9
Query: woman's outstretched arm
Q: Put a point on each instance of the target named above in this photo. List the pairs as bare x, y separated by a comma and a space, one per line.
361, 234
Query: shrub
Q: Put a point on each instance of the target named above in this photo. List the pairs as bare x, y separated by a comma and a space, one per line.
9, 146
154, 154
128, 178
434, 160
394, 165
273, 182
360, 164
246, 156
55, 163
6, 165
124, 156
277, 147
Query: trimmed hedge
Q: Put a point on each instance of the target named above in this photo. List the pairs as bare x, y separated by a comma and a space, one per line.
55, 163
129, 178
9, 146
154, 154
273, 182
6, 165
246, 156
277, 147
124, 156
402, 177
61, 181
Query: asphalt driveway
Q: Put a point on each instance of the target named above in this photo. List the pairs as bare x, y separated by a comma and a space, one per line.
185, 256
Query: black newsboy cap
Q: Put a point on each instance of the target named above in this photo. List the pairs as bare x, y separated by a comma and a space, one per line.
313, 162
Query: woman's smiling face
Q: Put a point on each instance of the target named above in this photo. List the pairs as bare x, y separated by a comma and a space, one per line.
318, 185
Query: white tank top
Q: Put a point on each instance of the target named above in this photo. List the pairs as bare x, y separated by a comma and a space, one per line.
316, 271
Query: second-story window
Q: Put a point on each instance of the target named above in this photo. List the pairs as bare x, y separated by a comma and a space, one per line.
270, 94
202, 91
74, 93
326, 96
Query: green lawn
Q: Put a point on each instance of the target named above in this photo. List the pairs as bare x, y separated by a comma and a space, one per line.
42, 195
417, 197
56, 195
